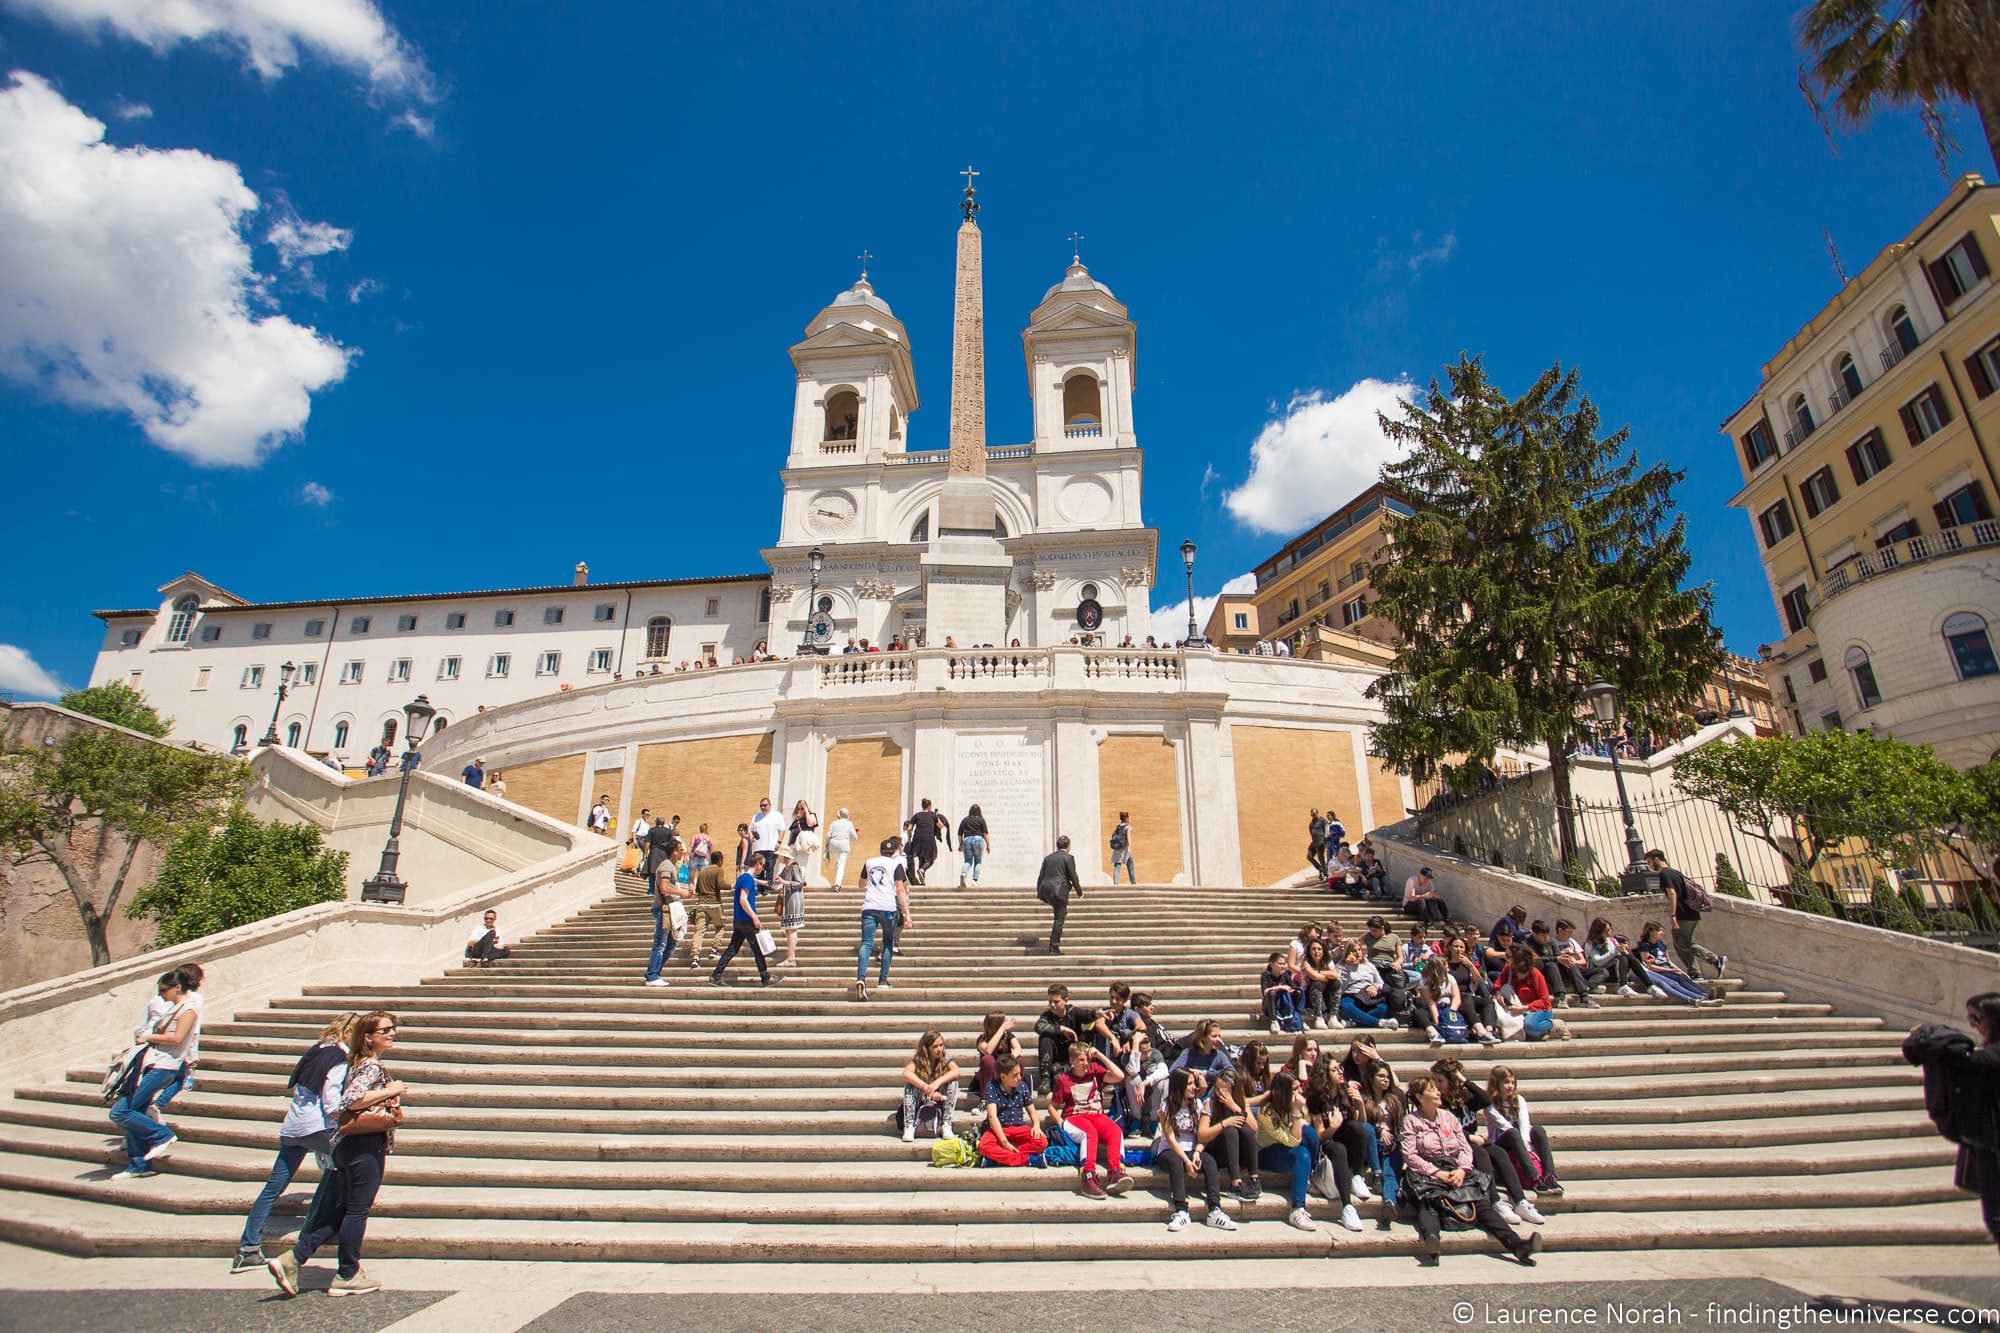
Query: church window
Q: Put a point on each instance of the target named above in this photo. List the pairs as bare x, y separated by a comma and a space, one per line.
292, 735
921, 533
843, 416
826, 604
339, 735
240, 738
658, 630
183, 622
1083, 413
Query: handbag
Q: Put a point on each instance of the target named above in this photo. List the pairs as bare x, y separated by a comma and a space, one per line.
1457, 1205
677, 915
765, 944
121, 1077
1537, 1024
629, 859
374, 1120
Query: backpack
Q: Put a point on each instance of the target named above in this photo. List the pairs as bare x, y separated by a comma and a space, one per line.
121, 1076
1120, 839
1539, 1024
1285, 1009
1698, 898
1451, 1024
953, 1152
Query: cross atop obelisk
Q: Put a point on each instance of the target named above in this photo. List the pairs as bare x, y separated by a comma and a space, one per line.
968, 349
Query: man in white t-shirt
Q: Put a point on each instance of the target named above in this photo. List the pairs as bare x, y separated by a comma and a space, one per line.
600, 815
484, 945
767, 830
885, 907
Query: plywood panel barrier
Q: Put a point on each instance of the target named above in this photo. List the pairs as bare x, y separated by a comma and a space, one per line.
866, 778
1141, 775
549, 787
1281, 775
717, 781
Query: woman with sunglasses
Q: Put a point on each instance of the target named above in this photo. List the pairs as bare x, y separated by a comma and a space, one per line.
371, 1106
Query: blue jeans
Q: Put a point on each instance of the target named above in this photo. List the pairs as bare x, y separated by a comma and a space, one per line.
1360, 1015
663, 941
973, 848
1381, 1161
870, 923
142, 1132
1299, 1159
1131, 870
290, 1153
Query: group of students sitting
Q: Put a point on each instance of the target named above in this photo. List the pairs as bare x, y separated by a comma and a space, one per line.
1441, 1152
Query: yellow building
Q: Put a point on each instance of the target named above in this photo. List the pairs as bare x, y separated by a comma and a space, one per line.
1868, 463
1320, 581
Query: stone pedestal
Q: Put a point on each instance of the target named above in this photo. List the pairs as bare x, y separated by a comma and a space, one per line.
965, 591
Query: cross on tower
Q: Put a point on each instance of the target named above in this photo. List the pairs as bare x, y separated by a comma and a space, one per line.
969, 206
864, 257
1076, 240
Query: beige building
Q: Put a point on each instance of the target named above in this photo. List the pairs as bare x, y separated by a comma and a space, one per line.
1320, 580
1868, 463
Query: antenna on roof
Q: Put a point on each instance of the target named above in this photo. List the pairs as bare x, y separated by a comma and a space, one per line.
1833, 253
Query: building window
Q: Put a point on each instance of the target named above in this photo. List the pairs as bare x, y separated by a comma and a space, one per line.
1849, 376
600, 660
350, 673
211, 633
1819, 493
339, 735
399, 671
919, 534
253, 678
239, 738
404, 624
1925, 415
309, 674
448, 668
261, 630
454, 620
1791, 691
605, 612
389, 732
1867, 456
1983, 367
1354, 611
1902, 532
1798, 611
1829, 721
1816, 671
714, 608
1971, 647
503, 618
1242, 620
315, 628
358, 625
1967, 504
1862, 673
182, 623
1776, 523
658, 631
129, 638
708, 653
1802, 418
764, 600
548, 664
552, 615
292, 735
201, 679
496, 665
1960, 269
1902, 332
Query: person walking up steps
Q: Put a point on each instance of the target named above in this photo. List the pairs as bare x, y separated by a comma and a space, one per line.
1054, 883
885, 905
1121, 849
925, 828
972, 844
841, 835
1685, 909
746, 925
314, 1088
711, 893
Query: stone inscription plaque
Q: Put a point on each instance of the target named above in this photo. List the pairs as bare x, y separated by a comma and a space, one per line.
1002, 775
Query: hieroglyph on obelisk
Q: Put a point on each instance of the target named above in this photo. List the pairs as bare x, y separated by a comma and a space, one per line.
968, 348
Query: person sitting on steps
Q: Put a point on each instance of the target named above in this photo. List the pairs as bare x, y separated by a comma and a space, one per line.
484, 944
1056, 1031
1364, 999
1421, 900
1511, 1131
1565, 979
1183, 1147
1280, 992
1322, 978
1078, 1103
1438, 1163
1286, 1139
1468, 1101
1664, 976
1013, 1122
930, 1090
1606, 961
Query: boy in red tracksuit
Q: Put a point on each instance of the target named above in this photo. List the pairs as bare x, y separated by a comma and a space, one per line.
1079, 1104
1013, 1124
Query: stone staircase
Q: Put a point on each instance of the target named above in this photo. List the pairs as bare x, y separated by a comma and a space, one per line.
561, 1111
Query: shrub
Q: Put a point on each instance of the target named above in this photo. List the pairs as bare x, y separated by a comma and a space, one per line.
1890, 911
1727, 882
243, 870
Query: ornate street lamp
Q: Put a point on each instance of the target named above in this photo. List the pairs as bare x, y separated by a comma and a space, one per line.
811, 645
383, 886
1194, 638
1637, 877
284, 682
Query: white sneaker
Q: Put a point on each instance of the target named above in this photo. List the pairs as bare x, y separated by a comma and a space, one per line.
1628, 992
163, 1150
1436, 1040
1301, 1219
1220, 1220
1179, 1221
658, 983
1350, 1219
1391, 1025
1361, 1190
1275, 1028
909, 1133
1505, 1208
1530, 1213
1319, 1024
1659, 992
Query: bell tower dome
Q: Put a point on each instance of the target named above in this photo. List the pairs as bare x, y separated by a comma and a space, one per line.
856, 384
1080, 346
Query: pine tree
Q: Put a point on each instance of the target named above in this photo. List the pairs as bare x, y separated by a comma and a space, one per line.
1540, 556
1727, 881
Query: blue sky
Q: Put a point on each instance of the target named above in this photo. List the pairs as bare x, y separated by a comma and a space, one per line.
505, 260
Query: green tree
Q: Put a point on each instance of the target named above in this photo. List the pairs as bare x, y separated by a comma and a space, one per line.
1727, 881
1807, 896
118, 704
86, 805
1890, 911
243, 870
1919, 53
1806, 796
1540, 555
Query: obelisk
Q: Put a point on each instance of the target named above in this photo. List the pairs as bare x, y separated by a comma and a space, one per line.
966, 570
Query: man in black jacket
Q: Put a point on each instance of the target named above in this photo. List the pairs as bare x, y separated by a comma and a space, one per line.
1054, 883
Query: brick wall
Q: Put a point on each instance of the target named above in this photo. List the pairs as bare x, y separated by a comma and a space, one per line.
1281, 774
1139, 774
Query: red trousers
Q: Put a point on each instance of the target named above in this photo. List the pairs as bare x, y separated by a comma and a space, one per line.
1097, 1129
1020, 1144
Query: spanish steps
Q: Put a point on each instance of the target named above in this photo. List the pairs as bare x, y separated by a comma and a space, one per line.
560, 1110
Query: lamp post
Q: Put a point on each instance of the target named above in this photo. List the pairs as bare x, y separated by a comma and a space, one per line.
284, 682
384, 886
810, 646
1637, 877
1194, 638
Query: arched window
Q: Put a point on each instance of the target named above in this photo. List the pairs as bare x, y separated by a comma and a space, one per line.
292, 735
439, 723
1850, 375
1802, 416
921, 533
1971, 646
1903, 329
182, 624
895, 424
843, 416
340, 735
389, 733
658, 630
1862, 673
1083, 412
240, 738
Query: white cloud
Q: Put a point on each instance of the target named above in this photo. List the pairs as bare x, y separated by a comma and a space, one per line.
297, 240
316, 495
21, 674
421, 126
1317, 456
126, 284
272, 35
125, 110
365, 288
1170, 623
1435, 254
